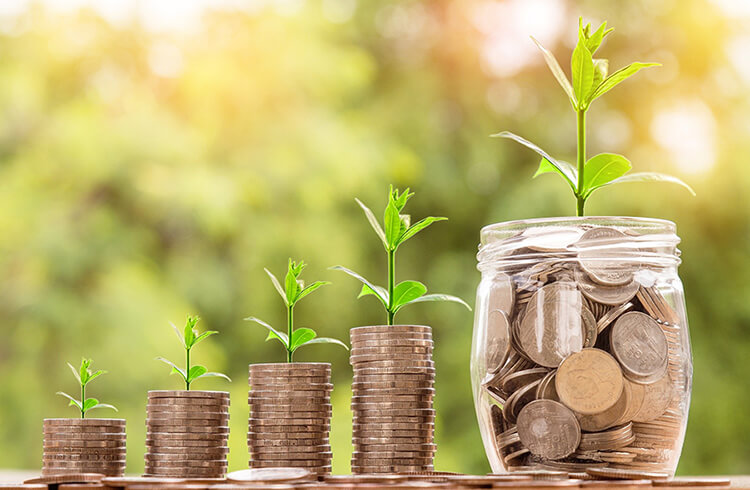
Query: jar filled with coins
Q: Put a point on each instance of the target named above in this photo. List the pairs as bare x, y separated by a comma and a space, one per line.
581, 354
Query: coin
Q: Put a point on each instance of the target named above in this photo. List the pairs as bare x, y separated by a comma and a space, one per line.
180, 427
551, 327
620, 474
548, 429
609, 417
84, 422
608, 295
612, 315
271, 475
287, 462
188, 416
602, 259
589, 381
497, 346
389, 342
656, 398
66, 478
222, 395
693, 482
382, 361
639, 344
408, 350
354, 332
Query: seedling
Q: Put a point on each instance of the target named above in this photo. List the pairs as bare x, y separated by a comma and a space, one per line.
590, 81
294, 290
84, 377
189, 339
395, 231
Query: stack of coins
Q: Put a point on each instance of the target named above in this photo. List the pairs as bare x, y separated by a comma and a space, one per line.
394, 421
187, 434
290, 416
586, 362
84, 446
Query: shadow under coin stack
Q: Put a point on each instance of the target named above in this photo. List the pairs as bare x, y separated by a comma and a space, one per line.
187, 434
392, 398
290, 416
84, 446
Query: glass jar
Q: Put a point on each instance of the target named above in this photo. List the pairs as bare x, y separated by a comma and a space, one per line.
580, 354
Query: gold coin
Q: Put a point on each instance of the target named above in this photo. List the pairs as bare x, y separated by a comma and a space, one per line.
610, 417
589, 381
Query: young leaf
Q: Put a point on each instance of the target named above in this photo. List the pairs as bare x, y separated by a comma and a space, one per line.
301, 336
400, 200
392, 222
563, 168
291, 283
189, 334
582, 66
179, 334
214, 375
277, 285
554, 66
601, 68
602, 169
84, 371
95, 375
104, 405
89, 404
441, 297
417, 227
595, 40
73, 401
570, 175
309, 289
614, 79
373, 288
272, 332
326, 340
406, 292
381, 294
651, 177
373, 222
203, 336
196, 372
75, 373
175, 369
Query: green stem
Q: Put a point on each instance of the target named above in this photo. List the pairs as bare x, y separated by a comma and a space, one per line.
83, 400
187, 369
290, 330
391, 284
581, 132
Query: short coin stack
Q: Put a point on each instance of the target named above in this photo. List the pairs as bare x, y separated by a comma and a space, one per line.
392, 398
187, 434
290, 416
84, 446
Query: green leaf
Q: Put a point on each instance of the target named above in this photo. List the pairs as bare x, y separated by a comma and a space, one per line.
392, 221
189, 334
373, 222
614, 79
75, 372
175, 369
196, 372
603, 169
89, 404
73, 401
309, 289
203, 336
277, 285
373, 289
179, 334
564, 168
214, 375
300, 337
417, 227
272, 332
595, 40
441, 297
84, 371
582, 67
651, 177
95, 375
406, 292
400, 200
104, 405
554, 66
381, 293
570, 174
291, 284
601, 68
327, 340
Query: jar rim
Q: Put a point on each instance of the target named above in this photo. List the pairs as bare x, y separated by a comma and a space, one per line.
653, 225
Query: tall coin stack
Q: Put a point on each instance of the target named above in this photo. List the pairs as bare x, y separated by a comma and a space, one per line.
290, 416
187, 434
84, 446
394, 422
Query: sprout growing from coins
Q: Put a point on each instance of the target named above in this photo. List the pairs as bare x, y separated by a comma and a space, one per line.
395, 231
84, 375
293, 291
590, 81
189, 339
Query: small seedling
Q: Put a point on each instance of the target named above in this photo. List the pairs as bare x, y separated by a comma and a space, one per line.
294, 290
189, 339
396, 230
84, 377
590, 81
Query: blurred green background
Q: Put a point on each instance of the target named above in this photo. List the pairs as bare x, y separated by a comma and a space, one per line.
155, 156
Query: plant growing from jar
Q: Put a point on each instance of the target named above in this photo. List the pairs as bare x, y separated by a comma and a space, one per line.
291, 293
84, 375
590, 80
396, 230
189, 338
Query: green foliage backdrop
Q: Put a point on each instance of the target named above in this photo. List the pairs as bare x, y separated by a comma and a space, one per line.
145, 176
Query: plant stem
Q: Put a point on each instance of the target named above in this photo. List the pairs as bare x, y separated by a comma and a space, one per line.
187, 369
83, 400
581, 132
391, 283
290, 330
